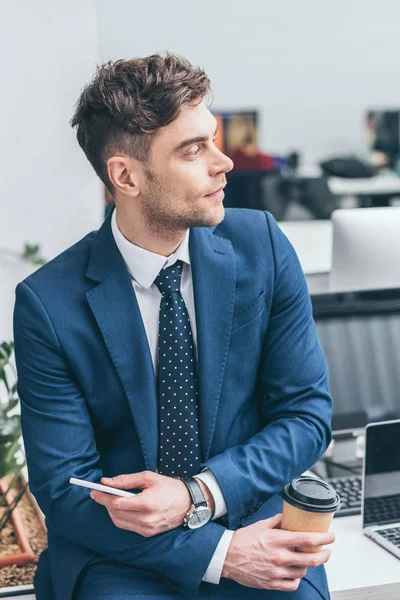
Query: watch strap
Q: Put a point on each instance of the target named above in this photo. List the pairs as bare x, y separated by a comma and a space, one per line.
195, 491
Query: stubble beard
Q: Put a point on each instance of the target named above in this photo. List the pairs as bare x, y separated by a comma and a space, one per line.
162, 221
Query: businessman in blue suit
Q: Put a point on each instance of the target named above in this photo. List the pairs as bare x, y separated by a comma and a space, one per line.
171, 353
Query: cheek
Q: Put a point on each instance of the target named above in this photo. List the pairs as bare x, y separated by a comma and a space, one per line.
184, 181
193, 179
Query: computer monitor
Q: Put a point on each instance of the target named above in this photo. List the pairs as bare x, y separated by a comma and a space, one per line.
383, 130
360, 335
235, 127
365, 249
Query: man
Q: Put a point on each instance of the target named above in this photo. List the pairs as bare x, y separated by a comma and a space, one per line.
177, 341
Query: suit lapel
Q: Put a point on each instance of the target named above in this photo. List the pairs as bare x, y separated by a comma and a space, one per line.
214, 280
115, 308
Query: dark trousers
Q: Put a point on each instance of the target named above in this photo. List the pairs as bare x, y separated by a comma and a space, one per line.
113, 581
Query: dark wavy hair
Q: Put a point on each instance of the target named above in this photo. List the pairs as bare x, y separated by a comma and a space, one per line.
128, 101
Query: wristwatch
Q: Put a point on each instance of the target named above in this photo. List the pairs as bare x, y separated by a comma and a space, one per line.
200, 513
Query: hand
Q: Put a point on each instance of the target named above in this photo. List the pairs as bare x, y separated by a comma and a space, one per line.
160, 507
263, 556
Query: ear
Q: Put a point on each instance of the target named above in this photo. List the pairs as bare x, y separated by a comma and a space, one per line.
124, 174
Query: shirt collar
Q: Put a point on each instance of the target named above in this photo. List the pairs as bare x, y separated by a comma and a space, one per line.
143, 265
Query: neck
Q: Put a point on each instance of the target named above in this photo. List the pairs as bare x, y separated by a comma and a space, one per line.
154, 239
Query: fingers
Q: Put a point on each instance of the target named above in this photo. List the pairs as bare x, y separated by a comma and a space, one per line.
295, 539
139, 503
284, 585
134, 519
102, 498
273, 522
308, 559
113, 502
290, 572
131, 480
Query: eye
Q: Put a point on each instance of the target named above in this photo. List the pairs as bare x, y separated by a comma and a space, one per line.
193, 151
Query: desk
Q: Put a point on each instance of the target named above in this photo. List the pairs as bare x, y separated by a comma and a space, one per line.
386, 183
312, 241
358, 568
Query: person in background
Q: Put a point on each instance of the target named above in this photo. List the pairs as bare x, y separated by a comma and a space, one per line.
243, 146
172, 352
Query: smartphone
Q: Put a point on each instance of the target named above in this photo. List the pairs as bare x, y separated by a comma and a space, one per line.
99, 487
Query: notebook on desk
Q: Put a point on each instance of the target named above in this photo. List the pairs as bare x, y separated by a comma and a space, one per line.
381, 485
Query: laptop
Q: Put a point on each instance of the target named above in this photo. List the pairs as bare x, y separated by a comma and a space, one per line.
381, 485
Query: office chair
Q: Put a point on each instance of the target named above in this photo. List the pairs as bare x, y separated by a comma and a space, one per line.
273, 191
247, 189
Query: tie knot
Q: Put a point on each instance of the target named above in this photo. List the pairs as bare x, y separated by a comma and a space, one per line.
169, 280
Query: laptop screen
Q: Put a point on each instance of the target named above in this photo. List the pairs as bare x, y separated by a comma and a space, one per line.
382, 474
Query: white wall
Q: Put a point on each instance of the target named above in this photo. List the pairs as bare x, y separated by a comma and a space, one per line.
47, 188
310, 66
48, 192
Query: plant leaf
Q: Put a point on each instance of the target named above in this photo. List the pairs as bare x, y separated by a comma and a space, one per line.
10, 429
12, 403
11, 466
3, 376
6, 349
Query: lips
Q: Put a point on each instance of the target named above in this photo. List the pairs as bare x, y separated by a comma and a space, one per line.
219, 189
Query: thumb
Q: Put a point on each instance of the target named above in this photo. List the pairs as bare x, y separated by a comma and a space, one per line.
273, 522
127, 481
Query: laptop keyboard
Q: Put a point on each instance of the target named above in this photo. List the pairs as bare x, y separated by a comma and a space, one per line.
384, 509
392, 535
349, 489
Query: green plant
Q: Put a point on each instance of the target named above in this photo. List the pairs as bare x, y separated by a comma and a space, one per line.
11, 454
31, 254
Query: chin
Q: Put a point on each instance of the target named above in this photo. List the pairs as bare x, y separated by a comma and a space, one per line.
214, 217
210, 217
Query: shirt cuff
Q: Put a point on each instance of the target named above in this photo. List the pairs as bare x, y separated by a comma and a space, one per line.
209, 479
213, 573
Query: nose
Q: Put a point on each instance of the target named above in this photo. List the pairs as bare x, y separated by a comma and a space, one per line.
220, 163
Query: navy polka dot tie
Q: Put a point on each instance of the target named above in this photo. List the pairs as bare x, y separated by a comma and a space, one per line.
179, 448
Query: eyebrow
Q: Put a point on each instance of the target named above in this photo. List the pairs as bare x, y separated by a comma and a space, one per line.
195, 140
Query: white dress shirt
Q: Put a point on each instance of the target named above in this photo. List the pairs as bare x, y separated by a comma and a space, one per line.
143, 267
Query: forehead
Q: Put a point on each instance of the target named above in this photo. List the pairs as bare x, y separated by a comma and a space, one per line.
194, 120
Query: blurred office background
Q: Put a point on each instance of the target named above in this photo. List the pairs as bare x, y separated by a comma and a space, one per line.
296, 83
307, 73
310, 69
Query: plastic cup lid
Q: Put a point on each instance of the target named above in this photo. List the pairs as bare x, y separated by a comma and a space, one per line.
311, 494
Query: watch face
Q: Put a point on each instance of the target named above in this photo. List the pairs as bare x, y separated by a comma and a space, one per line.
200, 516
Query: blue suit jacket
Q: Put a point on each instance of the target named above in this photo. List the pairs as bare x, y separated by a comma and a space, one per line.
88, 391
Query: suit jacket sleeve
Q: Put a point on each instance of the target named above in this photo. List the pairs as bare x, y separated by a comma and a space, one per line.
296, 398
60, 443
